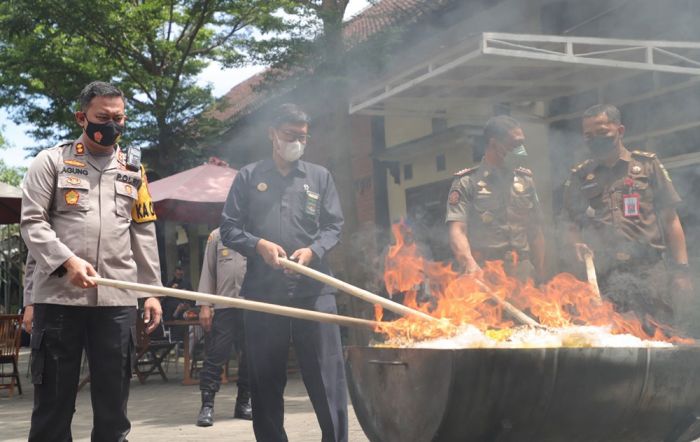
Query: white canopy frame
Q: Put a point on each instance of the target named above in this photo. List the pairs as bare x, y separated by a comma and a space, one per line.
502, 67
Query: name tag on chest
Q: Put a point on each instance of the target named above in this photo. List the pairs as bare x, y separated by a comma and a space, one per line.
311, 204
631, 205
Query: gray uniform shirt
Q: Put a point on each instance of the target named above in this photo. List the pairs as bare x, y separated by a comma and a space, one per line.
71, 206
222, 271
29, 266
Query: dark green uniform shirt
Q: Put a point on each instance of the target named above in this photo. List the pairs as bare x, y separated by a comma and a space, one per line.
594, 200
498, 205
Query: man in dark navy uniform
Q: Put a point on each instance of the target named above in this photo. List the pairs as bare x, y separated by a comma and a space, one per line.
276, 208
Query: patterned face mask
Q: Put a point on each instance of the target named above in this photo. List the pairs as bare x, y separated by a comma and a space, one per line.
104, 134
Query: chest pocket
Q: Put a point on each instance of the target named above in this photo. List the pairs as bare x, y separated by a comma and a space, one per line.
72, 194
484, 198
124, 196
223, 253
593, 193
640, 185
524, 200
310, 204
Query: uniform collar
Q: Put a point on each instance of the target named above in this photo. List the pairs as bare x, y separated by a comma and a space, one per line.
89, 158
299, 168
487, 169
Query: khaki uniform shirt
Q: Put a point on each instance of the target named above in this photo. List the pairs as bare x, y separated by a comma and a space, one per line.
594, 200
222, 271
499, 206
28, 281
71, 206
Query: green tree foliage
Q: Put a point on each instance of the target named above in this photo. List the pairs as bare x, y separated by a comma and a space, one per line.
152, 49
8, 174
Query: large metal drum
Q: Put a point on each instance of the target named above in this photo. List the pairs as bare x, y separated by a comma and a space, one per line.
554, 394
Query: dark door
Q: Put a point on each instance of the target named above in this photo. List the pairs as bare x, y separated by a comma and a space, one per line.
425, 207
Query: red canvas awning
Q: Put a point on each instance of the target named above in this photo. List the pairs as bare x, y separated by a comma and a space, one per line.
196, 195
10, 204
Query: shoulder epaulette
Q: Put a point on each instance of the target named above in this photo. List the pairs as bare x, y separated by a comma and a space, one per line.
523, 171
466, 171
64, 144
580, 166
639, 153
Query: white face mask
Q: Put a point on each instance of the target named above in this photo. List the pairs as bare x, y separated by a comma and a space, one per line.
290, 151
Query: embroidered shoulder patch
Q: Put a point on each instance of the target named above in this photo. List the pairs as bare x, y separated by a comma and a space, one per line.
143, 211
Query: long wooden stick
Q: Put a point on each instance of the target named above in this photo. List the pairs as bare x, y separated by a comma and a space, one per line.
239, 303
510, 308
354, 291
591, 274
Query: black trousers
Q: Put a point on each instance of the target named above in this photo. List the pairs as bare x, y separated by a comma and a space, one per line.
319, 352
226, 333
59, 334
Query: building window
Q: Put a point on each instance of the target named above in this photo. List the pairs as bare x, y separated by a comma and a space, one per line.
439, 125
440, 162
407, 171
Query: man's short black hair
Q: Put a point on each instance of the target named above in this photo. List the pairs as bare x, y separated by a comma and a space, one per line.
98, 89
499, 127
289, 113
611, 111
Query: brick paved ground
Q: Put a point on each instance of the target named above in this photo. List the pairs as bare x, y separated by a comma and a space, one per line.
162, 411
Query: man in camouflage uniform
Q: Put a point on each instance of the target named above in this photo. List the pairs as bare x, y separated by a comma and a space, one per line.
492, 210
86, 210
621, 206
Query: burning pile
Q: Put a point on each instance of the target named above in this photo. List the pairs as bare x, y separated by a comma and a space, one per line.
570, 311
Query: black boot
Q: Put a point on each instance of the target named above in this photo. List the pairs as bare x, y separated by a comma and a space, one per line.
206, 413
243, 408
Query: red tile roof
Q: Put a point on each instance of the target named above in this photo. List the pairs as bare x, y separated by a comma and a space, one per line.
385, 14
248, 95
239, 98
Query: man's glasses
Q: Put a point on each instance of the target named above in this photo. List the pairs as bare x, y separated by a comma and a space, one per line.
294, 136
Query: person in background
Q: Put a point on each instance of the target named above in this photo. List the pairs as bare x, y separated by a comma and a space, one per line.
175, 308
222, 274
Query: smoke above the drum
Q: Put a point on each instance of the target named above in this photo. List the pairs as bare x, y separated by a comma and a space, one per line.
462, 303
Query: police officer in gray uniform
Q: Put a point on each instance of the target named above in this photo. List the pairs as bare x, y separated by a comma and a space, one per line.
493, 211
28, 281
86, 211
222, 274
281, 207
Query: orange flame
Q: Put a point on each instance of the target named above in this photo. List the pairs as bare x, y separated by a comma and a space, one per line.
564, 301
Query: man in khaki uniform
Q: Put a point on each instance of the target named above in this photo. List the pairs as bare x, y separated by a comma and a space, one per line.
86, 211
621, 206
492, 210
222, 274
28, 282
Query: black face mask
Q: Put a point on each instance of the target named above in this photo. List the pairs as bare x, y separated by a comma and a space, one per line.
601, 145
105, 134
